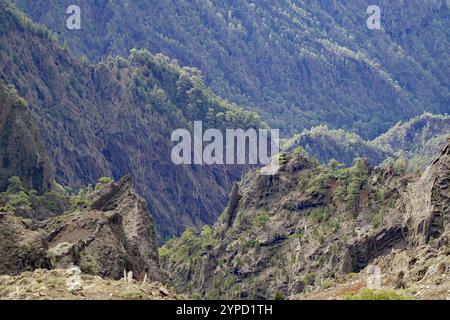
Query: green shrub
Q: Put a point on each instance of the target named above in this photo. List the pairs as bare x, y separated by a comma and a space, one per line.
20, 200
132, 294
297, 235
326, 284
320, 181
7, 208
278, 296
55, 201
377, 218
15, 185
299, 151
102, 181
79, 200
310, 279
400, 166
87, 265
319, 215
262, 219
21, 102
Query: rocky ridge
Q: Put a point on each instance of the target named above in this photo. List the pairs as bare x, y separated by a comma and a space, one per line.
115, 233
309, 227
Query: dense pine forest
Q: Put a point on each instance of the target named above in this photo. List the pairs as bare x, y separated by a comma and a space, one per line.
299, 63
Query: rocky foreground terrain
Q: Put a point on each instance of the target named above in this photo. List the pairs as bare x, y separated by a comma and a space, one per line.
106, 250
64, 285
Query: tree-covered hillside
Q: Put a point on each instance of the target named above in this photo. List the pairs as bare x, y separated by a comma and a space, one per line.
300, 63
326, 144
108, 120
417, 141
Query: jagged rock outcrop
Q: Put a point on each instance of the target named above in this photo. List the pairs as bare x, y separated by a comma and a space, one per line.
21, 247
366, 248
115, 233
428, 205
423, 215
310, 226
231, 209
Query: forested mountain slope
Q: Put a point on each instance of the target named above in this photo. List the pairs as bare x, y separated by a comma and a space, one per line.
326, 144
300, 63
116, 118
417, 141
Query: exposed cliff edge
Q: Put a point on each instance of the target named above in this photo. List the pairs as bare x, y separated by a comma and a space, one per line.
428, 205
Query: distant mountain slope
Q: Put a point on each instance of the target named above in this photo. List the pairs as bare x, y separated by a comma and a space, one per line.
116, 117
326, 144
417, 140
300, 63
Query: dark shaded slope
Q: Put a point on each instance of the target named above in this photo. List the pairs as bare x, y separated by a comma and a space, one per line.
22, 153
116, 118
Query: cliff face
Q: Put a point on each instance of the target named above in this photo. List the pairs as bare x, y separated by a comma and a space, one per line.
116, 118
22, 153
420, 267
310, 226
115, 233
428, 205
